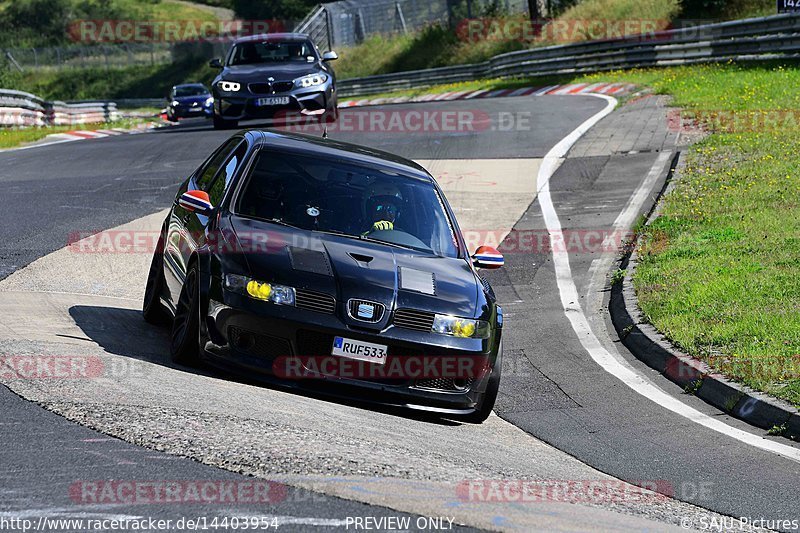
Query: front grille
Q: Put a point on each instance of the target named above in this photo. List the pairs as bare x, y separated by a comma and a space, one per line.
260, 88
445, 384
377, 310
413, 319
282, 86
257, 344
314, 301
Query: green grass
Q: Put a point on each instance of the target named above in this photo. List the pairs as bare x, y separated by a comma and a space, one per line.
659, 13
101, 83
720, 268
431, 47
13, 137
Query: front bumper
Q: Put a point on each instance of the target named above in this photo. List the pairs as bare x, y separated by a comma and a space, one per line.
276, 344
192, 111
302, 102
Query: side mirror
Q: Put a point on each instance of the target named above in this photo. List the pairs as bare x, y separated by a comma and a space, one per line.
215, 63
330, 56
196, 202
487, 257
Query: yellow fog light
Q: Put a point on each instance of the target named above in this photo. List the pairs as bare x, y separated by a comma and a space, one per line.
464, 328
460, 327
258, 290
267, 292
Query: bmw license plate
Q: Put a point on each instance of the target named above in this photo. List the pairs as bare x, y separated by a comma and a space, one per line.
272, 100
360, 350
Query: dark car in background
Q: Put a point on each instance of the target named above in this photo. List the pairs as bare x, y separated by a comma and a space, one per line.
331, 267
189, 100
274, 76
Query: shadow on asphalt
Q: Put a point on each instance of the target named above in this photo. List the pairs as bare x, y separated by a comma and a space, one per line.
198, 125
124, 332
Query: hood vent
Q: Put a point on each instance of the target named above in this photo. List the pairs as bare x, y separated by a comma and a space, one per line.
307, 260
417, 280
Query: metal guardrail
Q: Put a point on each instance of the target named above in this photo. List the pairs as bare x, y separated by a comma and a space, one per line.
18, 108
773, 37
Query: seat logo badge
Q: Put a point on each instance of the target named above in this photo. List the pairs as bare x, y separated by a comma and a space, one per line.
366, 311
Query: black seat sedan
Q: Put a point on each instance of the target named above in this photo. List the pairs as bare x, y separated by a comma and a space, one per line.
189, 100
279, 76
332, 267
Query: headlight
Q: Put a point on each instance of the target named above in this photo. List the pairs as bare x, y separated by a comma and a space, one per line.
175, 103
229, 86
460, 327
209, 101
260, 290
311, 81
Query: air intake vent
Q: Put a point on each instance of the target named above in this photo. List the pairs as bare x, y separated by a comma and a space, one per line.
260, 88
412, 319
257, 344
445, 384
315, 301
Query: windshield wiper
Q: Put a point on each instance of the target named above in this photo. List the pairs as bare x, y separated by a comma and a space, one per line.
403, 246
280, 223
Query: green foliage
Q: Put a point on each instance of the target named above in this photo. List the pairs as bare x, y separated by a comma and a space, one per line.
35, 23
273, 9
726, 9
100, 83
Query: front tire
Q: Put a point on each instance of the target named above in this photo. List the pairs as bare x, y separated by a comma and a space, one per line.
185, 338
153, 310
489, 397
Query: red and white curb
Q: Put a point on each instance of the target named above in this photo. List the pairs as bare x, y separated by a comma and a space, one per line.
79, 135
611, 89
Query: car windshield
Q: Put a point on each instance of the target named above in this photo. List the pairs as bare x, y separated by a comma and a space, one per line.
344, 198
251, 53
190, 90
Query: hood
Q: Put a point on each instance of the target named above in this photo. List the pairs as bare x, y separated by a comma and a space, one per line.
349, 268
259, 73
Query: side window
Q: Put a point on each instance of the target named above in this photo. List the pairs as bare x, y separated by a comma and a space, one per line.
205, 175
217, 190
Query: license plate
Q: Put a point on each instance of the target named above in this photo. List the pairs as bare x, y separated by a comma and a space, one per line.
273, 100
360, 350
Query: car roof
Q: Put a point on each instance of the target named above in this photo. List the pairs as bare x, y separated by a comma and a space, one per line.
189, 85
273, 37
353, 153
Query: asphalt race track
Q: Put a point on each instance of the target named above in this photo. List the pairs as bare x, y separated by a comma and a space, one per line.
562, 414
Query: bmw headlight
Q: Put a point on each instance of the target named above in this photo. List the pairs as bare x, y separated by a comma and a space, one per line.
209, 101
311, 81
260, 290
175, 103
460, 327
229, 86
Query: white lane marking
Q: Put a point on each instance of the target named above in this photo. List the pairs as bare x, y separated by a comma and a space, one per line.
64, 512
614, 364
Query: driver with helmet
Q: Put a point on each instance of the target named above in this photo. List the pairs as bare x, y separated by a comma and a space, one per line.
382, 202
